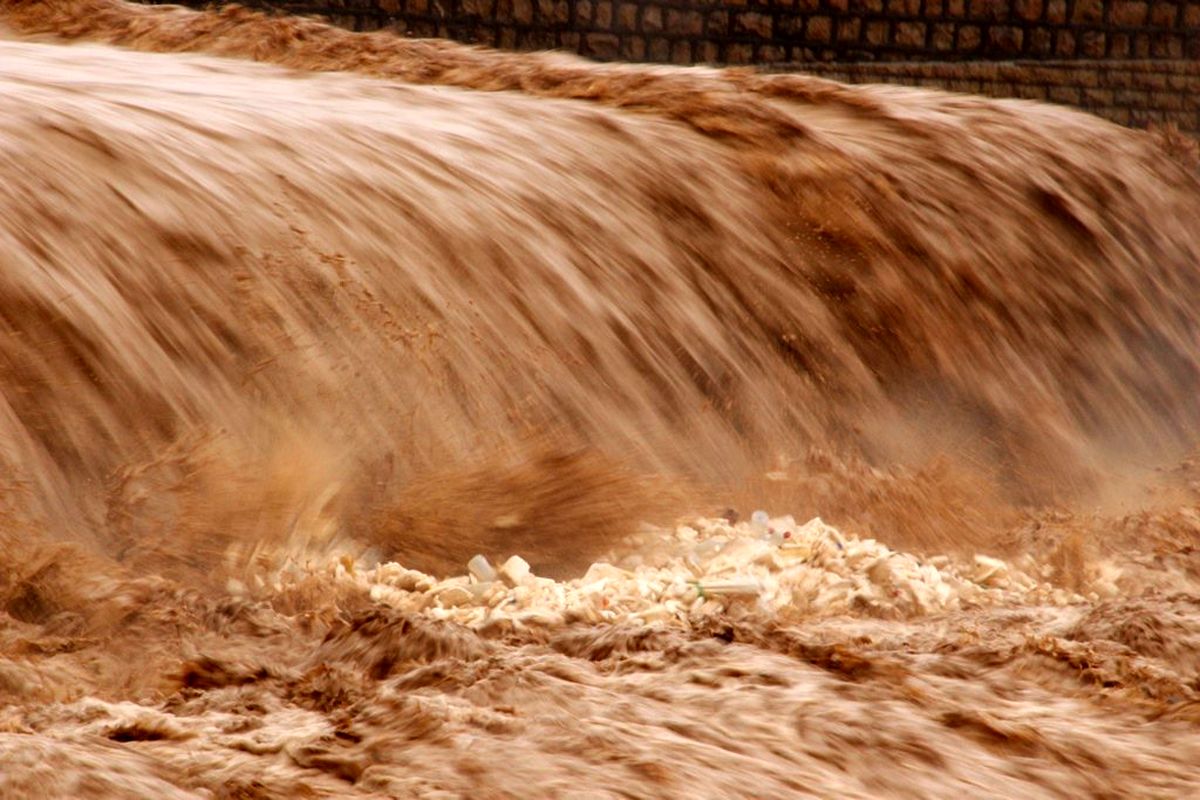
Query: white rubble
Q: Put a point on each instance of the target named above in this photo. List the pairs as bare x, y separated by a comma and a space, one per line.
515, 571
766, 566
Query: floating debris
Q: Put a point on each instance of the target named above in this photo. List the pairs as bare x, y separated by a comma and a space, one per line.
767, 565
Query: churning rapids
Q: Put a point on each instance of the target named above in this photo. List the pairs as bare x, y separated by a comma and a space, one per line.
284, 345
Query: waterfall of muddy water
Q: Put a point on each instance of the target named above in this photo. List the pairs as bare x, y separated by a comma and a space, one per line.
264, 326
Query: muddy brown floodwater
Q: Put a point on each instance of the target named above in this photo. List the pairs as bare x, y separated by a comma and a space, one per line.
283, 345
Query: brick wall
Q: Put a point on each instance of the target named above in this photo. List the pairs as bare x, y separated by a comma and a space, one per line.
750, 32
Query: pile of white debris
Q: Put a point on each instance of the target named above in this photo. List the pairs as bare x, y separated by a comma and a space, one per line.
712, 566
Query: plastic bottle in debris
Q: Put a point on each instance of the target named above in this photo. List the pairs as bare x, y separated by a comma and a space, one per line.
745, 587
481, 569
776, 532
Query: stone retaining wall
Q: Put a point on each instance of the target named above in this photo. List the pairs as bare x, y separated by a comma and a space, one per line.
748, 32
1131, 61
1136, 93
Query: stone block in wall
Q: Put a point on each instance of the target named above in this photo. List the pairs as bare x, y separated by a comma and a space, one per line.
991, 10
818, 29
933, 9
752, 23
707, 53
659, 49
681, 52
518, 11
1121, 116
570, 40
849, 30
864, 7
535, 39
790, 26
770, 54
1184, 82
1056, 12
1118, 79
1030, 92
739, 54
838, 7
910, 34
942, 38
956, 8
627, 17
1005, 40
474, 8
1163, 15
1119, 45
1167, 46
685, 23
1149, 80
652, 19
969, 37
1088, 12
1191, 16
1129, 13
1097, 97
633, 48
877, 33
583, 13
1131, 98
1141, 118
1092, 44
1167, 101
1040, 41
907, 8
1141, 46
1068, 95
603, 17
1064, 43
477, 34
1028, 10
601, 45
1015, 73
717, 23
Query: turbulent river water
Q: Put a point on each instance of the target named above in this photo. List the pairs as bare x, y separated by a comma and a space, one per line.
386, 301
